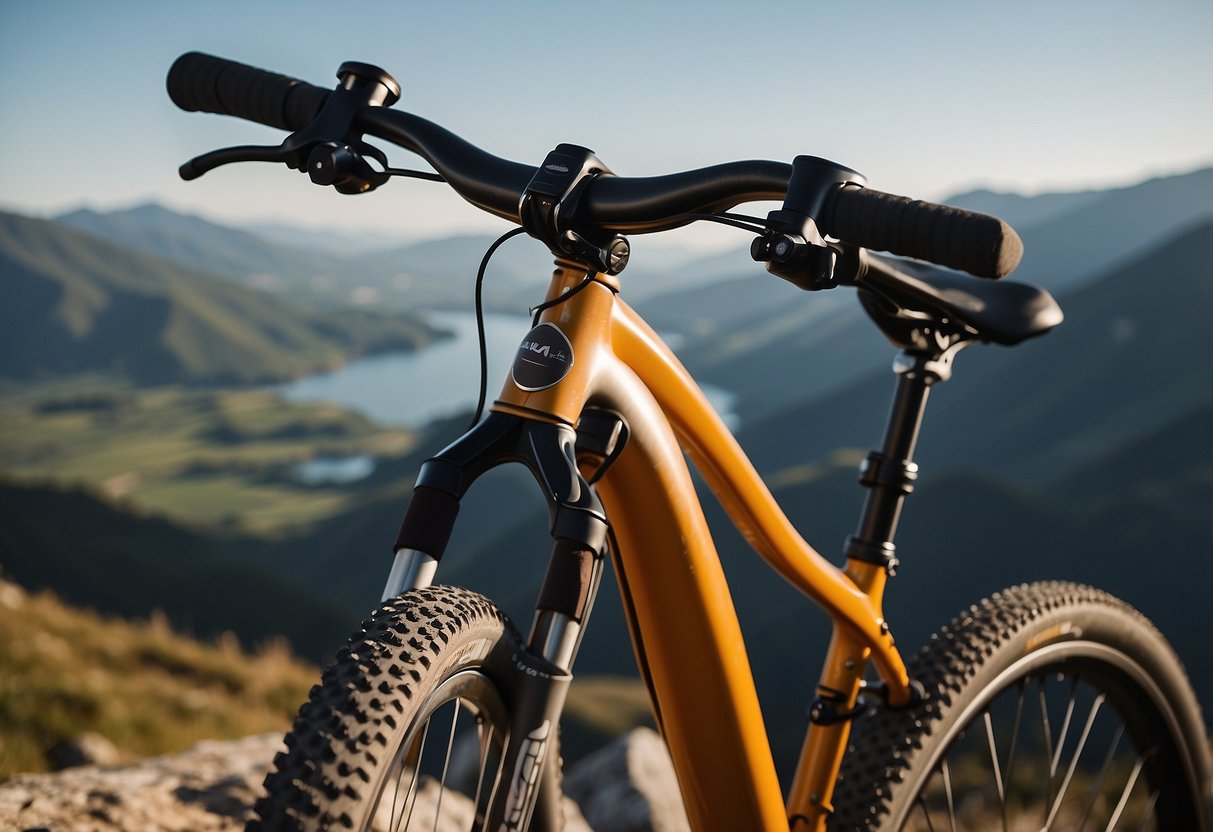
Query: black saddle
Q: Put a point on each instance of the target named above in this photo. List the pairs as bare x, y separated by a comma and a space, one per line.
1002, 312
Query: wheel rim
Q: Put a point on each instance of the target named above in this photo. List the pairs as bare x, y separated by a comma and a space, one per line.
447, 767
1075, 736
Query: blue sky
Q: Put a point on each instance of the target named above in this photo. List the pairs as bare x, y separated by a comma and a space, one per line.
925, 98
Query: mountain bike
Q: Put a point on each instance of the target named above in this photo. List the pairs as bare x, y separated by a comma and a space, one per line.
1046, 706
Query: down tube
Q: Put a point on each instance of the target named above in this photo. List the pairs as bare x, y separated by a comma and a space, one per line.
684, 624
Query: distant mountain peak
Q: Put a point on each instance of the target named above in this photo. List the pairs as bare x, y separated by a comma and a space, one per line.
157, 210
980, 191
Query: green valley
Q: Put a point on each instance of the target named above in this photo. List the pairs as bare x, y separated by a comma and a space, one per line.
212, 458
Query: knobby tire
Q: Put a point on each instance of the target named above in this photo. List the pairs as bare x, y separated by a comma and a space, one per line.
1048, 706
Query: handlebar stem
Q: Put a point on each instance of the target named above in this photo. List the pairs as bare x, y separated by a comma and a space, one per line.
549, 207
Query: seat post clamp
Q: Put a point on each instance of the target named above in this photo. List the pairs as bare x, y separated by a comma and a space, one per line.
826, 709
548, 210
883, 554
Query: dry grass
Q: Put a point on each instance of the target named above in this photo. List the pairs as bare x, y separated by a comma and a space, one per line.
610, 704
139, 684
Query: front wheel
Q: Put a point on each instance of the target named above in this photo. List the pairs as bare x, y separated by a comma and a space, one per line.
407, 728
1048, 706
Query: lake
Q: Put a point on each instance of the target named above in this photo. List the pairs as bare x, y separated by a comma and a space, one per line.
415, 388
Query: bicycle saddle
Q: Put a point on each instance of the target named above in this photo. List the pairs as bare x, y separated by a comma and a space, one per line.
1005, 313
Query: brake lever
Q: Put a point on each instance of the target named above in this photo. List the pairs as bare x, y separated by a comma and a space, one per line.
244, 153
793, 246
330, 149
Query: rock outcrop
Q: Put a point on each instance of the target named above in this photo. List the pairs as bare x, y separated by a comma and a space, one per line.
211, 787
628, 786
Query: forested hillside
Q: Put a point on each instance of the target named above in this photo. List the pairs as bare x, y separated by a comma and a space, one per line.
77, 304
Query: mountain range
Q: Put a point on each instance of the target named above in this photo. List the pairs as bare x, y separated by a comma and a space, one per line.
738, 324
75, 303
430, 274
1085, 454
1132, 354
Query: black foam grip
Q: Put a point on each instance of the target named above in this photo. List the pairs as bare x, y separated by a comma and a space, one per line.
204, 83
976, 243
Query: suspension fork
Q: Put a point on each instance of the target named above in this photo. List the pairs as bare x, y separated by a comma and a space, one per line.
530, 791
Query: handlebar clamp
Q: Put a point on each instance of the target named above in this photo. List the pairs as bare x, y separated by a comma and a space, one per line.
795, 246
548, 210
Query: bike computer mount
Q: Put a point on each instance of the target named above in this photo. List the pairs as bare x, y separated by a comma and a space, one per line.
329, 149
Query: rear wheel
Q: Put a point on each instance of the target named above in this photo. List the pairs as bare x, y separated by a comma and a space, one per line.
1048, 706
407, 727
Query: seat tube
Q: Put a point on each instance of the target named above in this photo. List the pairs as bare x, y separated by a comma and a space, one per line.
889, 475
810, 797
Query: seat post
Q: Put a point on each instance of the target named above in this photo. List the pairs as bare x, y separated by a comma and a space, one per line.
890, 473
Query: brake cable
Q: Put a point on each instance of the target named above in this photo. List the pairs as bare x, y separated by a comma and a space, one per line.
568, 293
742, 221
484, 357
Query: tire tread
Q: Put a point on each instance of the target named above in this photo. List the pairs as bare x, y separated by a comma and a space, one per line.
884, 748
351, 720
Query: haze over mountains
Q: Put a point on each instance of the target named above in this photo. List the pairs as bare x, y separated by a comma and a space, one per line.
1069, 239
423, 275
75, 303
1084, 454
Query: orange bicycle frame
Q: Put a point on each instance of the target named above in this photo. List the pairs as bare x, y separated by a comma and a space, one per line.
684, 626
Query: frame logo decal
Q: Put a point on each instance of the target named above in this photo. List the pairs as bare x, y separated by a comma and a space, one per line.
544, 358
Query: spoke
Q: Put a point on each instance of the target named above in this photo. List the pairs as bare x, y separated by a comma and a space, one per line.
486, 740
1023, 689
1002, 794
1082, 742
947, 790
1148, 813
1103, 773
395, 794
1065, 729
450, 744
1048, 735
923, 805
412, 798
498, 776
1006, 774
1124, 795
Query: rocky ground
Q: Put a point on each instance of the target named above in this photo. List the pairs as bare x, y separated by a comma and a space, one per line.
628, 786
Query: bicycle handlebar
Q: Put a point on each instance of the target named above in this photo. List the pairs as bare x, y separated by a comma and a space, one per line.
979, 244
